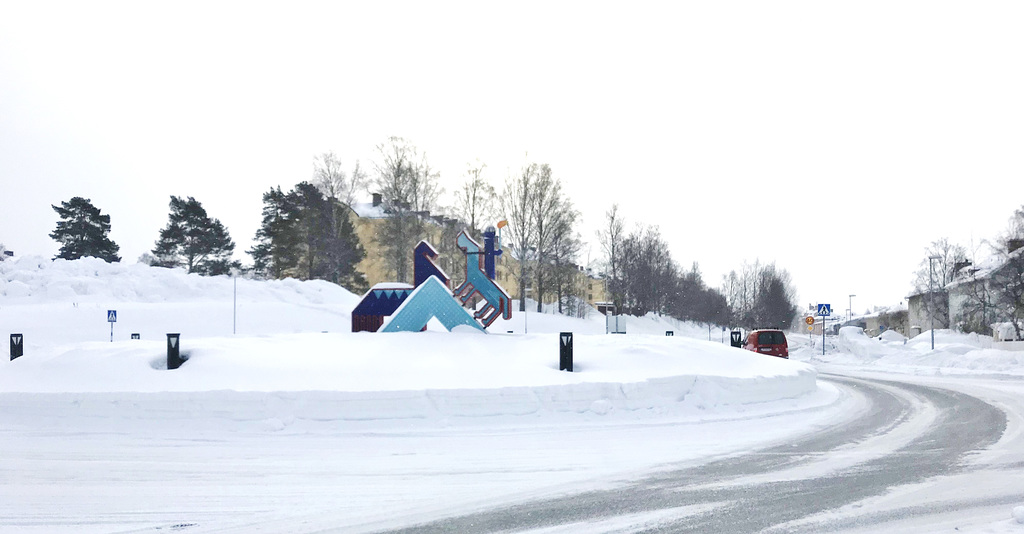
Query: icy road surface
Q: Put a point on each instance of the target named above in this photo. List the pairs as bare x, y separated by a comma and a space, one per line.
910, 439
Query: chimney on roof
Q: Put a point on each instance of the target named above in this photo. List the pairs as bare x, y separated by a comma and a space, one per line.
376, 199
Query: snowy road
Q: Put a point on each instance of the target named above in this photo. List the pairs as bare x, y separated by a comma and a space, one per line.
914, 438
882, 452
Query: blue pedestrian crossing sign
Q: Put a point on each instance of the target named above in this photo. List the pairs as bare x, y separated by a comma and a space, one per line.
824, 310
111, 316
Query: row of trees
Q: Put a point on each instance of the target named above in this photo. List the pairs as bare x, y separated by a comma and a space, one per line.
306, 232
191, 239
642, 277
760, 295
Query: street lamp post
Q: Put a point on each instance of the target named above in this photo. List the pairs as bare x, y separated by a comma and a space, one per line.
234, 301
851, 307
931, 296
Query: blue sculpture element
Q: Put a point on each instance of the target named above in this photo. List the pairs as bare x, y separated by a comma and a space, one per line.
378, 303
424, 266
431, 299
490, 252
479, 283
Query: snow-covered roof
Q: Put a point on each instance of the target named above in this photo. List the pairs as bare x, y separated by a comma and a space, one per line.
391, 286
369, 211
983, 269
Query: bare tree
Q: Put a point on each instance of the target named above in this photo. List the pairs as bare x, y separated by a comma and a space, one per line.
409, 187
474, 202
610, 238
516, 207
548, 206
565, 247
950, 257
977, 309
935, 275
332, 180
648, 272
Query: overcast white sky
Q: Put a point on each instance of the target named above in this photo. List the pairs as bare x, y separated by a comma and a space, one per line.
835, 139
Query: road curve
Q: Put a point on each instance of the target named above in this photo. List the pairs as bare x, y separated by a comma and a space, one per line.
911, 433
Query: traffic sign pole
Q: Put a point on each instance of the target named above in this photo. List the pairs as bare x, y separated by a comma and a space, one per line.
111, 318
824, 310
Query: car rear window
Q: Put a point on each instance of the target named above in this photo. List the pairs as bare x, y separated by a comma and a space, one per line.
771, 338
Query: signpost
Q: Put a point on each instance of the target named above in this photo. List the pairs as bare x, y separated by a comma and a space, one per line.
111, 318
824, 310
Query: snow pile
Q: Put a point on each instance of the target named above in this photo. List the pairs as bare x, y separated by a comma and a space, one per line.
955, 352
853, 341
38, 280
892, 337
295, 336
55, 302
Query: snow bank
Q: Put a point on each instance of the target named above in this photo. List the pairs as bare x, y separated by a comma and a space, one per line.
37, 280
853, 341
294, 337
955, 352
892, 336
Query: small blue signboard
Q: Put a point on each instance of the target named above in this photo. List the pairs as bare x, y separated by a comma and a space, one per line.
111, 316
824, 310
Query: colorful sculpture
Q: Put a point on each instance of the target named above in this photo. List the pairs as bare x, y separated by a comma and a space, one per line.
410, 308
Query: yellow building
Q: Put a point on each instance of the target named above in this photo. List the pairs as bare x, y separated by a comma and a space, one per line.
369, 218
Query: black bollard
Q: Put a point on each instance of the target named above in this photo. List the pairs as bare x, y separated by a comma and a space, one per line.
174, 360
736, 337
17, 346
565, 352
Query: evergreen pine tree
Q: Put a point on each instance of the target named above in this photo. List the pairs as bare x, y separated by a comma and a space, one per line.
193, 240
342, 251
330, 246
276, 252
307, 236
82, 231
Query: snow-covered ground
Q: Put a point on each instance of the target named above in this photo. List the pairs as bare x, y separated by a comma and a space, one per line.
955, 353
296, 424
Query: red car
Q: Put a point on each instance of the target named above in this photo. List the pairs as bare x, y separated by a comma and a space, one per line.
770, 342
